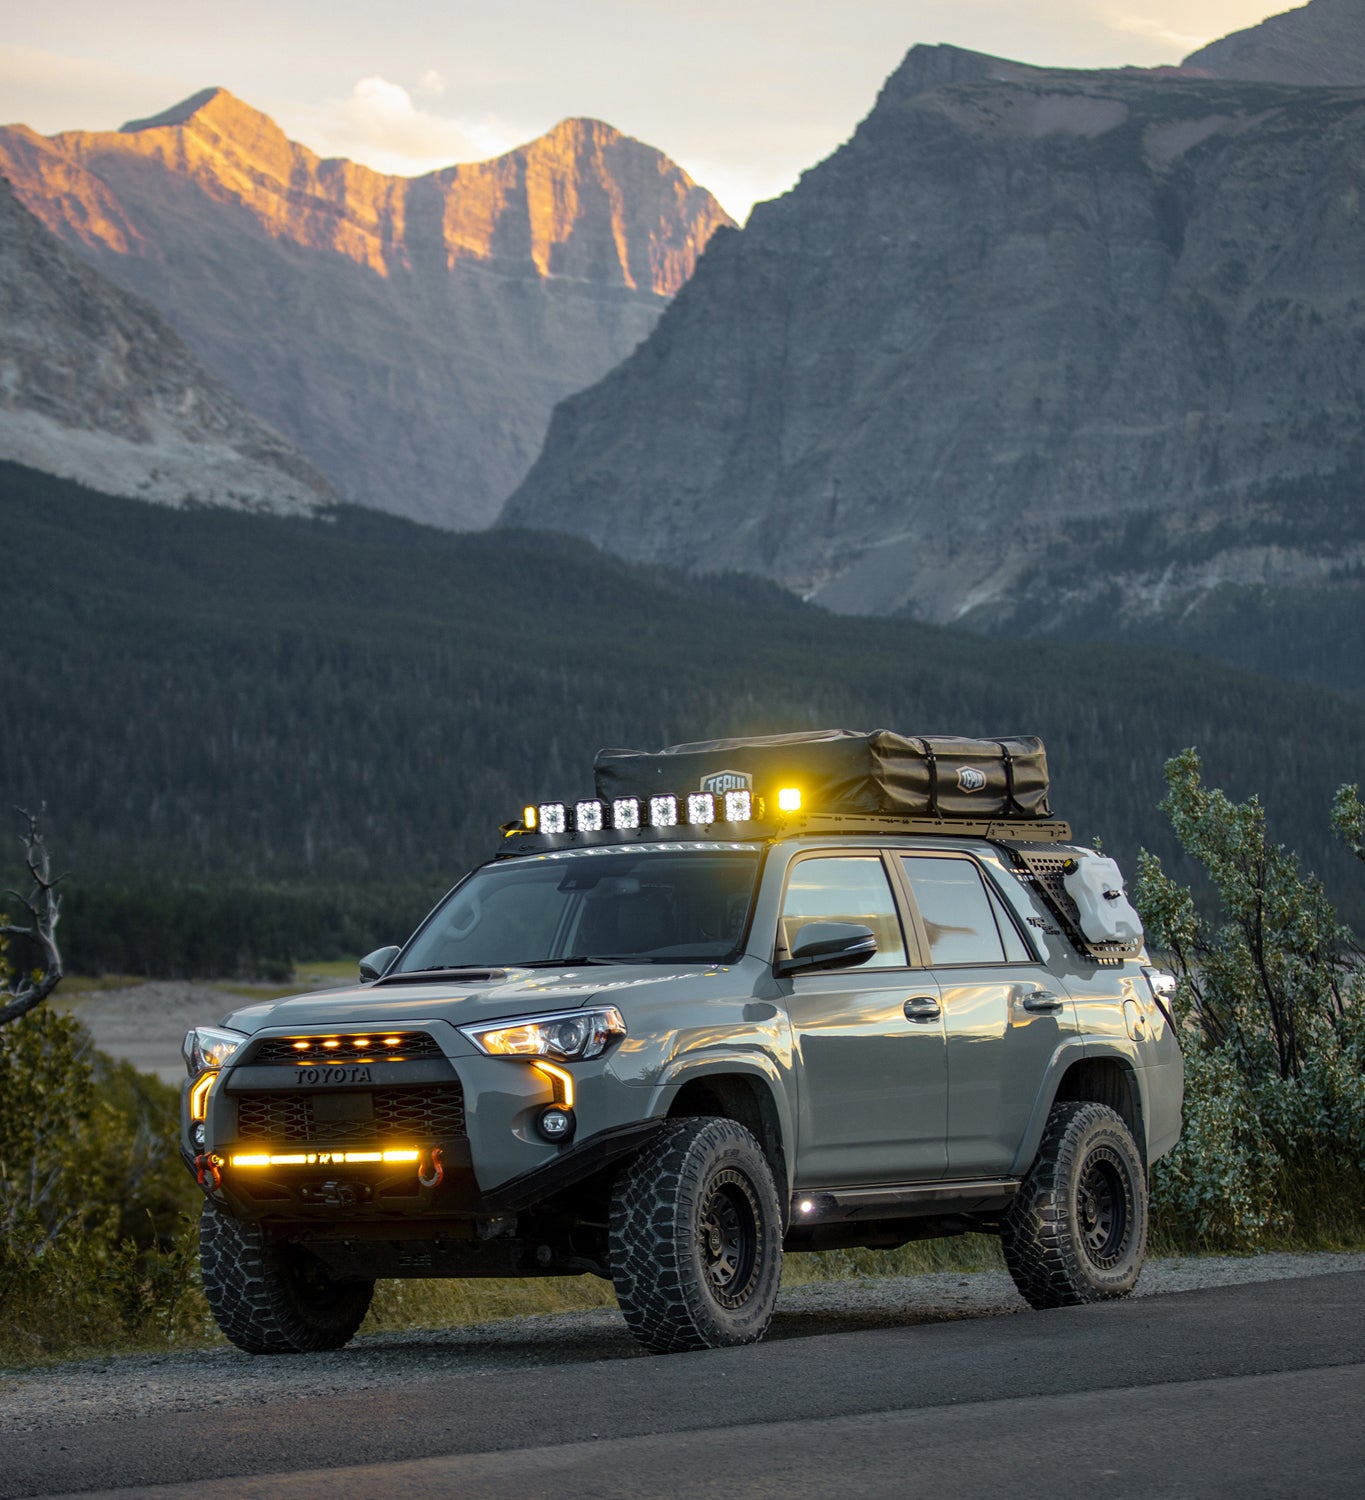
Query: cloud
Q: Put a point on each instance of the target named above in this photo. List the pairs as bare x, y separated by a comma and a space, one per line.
380, 125
1154, 30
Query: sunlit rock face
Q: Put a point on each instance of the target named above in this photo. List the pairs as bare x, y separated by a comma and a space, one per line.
1031, 336
1322, 42
95, 387
410, 334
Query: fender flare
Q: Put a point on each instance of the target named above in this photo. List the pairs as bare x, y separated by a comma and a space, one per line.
695, 1067
1071, 1051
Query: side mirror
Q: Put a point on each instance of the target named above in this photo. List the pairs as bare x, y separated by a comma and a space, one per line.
829, 945
373, 965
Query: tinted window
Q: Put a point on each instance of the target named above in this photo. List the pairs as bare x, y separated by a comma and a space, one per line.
956, 910
1016, 949
654, 905
853, 889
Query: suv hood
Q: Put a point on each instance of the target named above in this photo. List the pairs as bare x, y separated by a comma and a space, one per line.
522, 992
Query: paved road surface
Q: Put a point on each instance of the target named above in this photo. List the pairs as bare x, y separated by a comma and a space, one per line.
1246, 1391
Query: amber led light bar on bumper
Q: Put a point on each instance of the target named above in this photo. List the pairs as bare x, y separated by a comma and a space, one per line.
319, 1158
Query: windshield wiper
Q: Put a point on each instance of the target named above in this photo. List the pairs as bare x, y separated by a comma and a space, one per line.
581, 961
444, 971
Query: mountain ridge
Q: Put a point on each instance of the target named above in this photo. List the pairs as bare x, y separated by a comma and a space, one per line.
95, 387
1322, 42
411, 335
1020, 310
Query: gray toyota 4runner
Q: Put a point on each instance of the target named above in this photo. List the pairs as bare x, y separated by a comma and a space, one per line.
756, 996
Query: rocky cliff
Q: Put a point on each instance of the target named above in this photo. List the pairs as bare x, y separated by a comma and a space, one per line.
411, 335
1030, 336
95, 387
1322, 42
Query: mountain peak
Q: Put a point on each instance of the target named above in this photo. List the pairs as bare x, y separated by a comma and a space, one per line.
178, 114
585, 127
219, 112
929, 66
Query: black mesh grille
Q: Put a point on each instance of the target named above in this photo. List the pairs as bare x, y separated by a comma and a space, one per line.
368, 1046
414, 1115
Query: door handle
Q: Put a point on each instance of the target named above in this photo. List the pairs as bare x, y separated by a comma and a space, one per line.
1042, 1000
922, 1008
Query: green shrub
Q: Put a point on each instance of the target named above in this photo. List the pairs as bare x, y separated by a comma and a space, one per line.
1269, 1006
98, 1227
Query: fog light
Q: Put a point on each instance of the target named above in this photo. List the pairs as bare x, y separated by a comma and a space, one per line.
197, 1135
556, 1123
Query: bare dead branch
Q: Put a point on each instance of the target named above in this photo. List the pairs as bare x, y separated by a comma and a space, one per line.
41, 904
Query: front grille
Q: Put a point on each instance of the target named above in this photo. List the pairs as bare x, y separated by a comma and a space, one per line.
409, 1115
369, 1046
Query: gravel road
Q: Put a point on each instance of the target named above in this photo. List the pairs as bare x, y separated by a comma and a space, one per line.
65, 1396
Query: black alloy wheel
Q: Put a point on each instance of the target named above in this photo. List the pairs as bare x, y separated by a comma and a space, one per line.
728, 1231
1104, 1205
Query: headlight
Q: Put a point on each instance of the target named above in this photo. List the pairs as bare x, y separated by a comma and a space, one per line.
582, 1034
209, 1047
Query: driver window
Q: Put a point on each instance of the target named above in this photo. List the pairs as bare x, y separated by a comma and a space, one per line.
845, 889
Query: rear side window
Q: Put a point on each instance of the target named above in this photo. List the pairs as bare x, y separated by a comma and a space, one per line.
1016, 949
845, 889
956, 909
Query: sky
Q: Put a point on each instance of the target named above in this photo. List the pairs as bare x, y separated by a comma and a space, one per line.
744, 94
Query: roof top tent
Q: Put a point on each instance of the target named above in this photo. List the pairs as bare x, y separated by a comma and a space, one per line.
847, 771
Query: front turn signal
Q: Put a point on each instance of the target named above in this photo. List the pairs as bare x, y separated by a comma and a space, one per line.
199, 1095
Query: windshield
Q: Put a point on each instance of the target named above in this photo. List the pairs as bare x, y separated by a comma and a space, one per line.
635, 906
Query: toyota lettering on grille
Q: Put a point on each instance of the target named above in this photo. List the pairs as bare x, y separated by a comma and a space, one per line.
332, 1076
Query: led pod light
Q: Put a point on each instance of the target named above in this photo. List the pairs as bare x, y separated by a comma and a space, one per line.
701, 808
739, 807
207, 1047
625, 812
587, 817
663, 812
553, 818
570, 1037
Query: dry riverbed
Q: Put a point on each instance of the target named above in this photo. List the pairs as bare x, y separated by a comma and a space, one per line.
144, 1022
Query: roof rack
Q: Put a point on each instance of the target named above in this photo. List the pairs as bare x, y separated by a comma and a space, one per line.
520, 840
995, 829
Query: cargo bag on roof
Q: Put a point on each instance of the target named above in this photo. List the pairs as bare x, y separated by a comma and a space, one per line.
845, 771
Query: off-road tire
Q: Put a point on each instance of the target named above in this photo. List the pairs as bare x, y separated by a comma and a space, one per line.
1077, 1230
696, 1238
274, 1299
